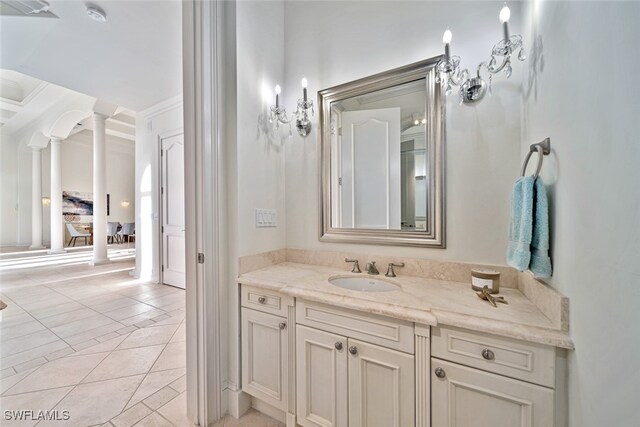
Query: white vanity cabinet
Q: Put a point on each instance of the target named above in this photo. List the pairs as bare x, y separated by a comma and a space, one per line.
483, 380
328, 366
353, 369
268, 337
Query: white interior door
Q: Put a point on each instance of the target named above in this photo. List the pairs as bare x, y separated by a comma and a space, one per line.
173, 244
370, 166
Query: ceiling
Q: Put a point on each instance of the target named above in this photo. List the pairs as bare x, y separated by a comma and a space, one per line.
25, 100
134, 59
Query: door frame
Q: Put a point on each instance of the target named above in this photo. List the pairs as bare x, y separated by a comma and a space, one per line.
161, 137
205, 239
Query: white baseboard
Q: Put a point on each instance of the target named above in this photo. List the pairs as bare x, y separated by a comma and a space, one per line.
238, 402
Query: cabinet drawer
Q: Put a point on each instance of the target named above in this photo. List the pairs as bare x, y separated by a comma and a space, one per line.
530, 362
390, 333
266, 301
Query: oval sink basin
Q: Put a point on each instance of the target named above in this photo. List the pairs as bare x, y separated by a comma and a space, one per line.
363, 284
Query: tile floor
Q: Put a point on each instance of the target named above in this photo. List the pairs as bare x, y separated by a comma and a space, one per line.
93, 341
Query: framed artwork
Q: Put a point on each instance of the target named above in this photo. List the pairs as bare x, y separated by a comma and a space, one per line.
76, 203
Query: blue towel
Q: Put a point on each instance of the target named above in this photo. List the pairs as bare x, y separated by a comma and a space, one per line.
540, 264
521, 224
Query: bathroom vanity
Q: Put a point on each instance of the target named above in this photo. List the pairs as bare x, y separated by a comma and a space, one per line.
429, 353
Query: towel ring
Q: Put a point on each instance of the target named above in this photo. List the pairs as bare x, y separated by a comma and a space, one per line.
542, 148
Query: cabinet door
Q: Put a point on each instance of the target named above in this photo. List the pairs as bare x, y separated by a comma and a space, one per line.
381, 386
467, 397
265, 357
321, 372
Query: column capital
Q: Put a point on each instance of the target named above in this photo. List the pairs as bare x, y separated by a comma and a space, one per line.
97, 115
56, 139
35, 149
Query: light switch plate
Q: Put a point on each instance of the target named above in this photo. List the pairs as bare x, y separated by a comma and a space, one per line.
265, 217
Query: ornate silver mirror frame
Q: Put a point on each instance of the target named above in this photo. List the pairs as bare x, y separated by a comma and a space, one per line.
434, 236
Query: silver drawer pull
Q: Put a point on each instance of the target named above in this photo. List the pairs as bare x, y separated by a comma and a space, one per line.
440, 373
353, 350
338, 345
282, 325
488, 354
262, 300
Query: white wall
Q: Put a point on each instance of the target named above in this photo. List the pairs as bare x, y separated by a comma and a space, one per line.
77, 175
255, 48
162, 120
260, 150
335, 42
586, 100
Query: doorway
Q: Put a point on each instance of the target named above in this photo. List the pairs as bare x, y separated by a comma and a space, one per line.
172, 228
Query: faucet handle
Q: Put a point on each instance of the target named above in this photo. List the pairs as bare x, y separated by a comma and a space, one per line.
390, 272
356, 265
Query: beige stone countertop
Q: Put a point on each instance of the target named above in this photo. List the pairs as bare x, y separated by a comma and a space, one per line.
420, 300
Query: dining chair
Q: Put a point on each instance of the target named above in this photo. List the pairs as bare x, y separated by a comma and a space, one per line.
112, 232
74, 233
128, 229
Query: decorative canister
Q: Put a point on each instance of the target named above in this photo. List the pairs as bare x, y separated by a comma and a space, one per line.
489, 278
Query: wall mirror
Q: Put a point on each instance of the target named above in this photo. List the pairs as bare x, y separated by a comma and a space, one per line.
382, 159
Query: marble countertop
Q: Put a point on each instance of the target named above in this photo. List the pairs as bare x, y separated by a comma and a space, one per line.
420, 300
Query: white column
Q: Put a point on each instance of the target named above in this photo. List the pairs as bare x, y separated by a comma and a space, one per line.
99, 191
36, 198
57, 235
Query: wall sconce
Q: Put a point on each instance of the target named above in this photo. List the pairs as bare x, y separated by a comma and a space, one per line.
46, 201
303, 124
279, 113
124, 203
473, 90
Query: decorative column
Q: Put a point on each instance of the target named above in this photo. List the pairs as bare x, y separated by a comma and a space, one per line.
99, 191
57, 235
36, 198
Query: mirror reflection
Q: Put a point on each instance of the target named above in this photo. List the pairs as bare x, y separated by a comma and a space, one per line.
379, 159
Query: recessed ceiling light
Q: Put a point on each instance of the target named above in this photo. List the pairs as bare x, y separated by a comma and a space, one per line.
96, 14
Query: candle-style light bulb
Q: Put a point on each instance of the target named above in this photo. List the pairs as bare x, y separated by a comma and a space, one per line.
505, 14
446, 39
304, 88
278, 90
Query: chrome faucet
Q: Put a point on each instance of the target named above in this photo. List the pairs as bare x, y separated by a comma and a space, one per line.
371, 268
356, 266
390, 272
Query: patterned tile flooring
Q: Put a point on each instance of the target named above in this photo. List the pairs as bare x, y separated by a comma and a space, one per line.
93, 341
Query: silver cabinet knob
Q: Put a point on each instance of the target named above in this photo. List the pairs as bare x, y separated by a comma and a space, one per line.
353, 350
488, 354
440, 373
262, 300
338, 345
282, 325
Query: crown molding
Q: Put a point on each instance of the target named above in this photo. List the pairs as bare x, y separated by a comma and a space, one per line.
161, 107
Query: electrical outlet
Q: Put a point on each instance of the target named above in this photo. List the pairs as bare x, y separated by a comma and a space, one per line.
265, 217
